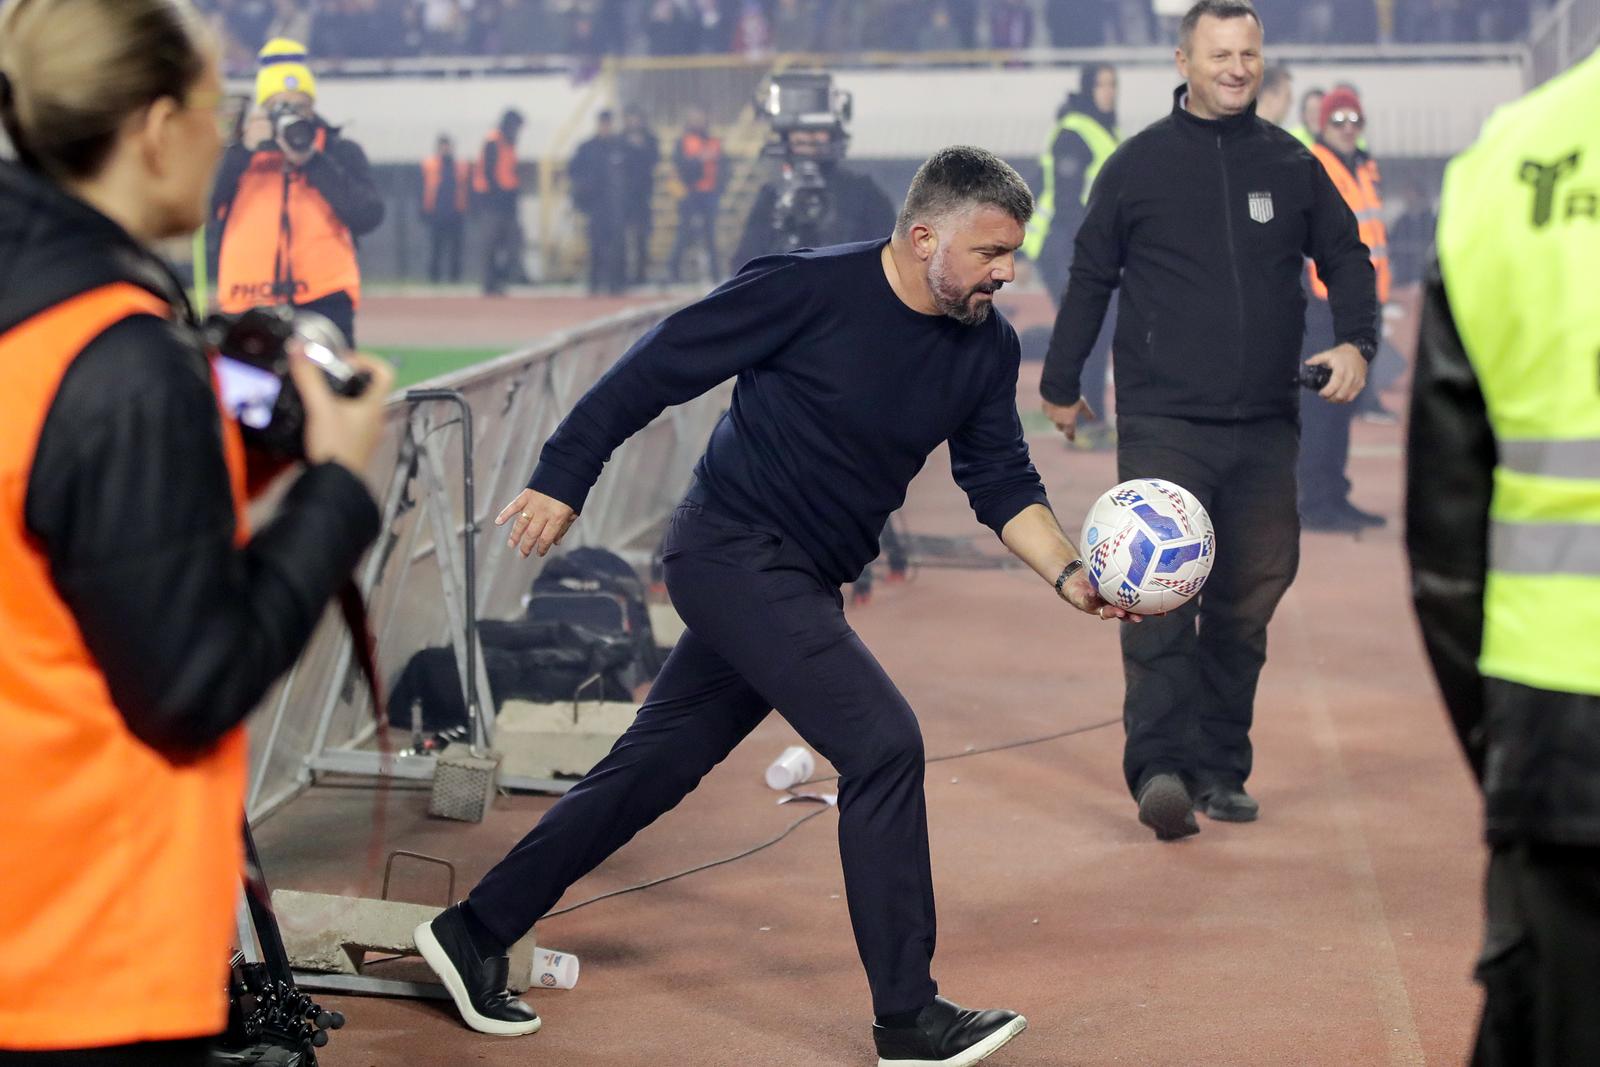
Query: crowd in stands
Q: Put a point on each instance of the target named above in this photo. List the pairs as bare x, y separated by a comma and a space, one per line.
593, 28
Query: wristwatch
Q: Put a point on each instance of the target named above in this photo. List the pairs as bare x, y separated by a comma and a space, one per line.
1368, 349
1067, 572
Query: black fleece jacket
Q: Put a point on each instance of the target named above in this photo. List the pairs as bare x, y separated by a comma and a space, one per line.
1205, 227
129, 495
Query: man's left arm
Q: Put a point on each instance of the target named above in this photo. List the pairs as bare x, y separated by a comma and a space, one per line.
1345, 266
989, 459
344, 178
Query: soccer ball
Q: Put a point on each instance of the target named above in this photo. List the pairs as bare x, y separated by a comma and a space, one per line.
1150, 546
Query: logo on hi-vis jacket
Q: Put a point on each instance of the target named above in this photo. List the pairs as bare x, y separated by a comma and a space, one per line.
1261, 207
1545, 179
265, 292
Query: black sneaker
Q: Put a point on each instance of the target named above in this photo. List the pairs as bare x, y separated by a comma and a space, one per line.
946, 1035
1227, 803
1330, 520
478, 986
1166, 807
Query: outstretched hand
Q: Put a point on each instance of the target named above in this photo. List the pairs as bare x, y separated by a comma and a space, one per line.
1080, 594
538, 522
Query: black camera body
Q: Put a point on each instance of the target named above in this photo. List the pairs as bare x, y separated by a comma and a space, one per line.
252, 362
292, 129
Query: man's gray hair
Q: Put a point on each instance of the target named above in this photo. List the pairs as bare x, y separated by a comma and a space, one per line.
1217, 9
961, 177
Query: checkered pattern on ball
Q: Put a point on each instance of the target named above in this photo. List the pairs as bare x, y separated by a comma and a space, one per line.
1150, 546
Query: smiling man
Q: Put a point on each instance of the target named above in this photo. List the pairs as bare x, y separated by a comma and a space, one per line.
1204, 220
853, 363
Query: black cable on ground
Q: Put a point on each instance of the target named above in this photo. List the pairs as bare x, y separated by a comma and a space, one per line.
807, 818
692, 870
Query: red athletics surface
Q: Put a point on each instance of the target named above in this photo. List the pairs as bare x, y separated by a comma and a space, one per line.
1339, 930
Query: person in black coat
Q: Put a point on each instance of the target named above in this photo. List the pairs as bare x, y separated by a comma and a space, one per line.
1208, 361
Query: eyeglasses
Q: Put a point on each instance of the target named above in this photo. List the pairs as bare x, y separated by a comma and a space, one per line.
1347, 118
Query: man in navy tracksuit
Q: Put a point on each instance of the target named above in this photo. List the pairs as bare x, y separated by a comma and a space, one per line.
853, 363
1210, 319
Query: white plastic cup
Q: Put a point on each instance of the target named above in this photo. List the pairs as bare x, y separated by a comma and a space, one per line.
554, 969
790, 769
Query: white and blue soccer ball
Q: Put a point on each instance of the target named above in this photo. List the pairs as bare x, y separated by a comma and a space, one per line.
1148, 546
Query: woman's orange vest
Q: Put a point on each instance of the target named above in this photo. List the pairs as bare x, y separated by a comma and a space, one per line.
431, 177
320, 254
119, 866
1360, 191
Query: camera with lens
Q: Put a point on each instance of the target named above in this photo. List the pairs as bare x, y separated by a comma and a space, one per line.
252, 362
807, 115
291, 129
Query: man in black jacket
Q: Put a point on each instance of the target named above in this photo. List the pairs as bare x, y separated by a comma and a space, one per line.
599, 174
1204, 219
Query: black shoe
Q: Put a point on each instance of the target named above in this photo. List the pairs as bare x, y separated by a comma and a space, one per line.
1166, 807
946, 1035
478, 986
1366, 518
1227, 803
1330, 520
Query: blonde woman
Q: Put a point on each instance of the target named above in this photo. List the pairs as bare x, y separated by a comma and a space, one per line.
141, 621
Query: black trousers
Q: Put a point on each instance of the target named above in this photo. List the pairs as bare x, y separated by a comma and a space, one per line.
764, 631
445, 234
608, 257
1324, 429
1191, 675
502, 243
1540, 968
636, 239
697, 221
192, 1053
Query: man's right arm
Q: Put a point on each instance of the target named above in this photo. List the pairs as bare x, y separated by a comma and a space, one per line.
740, 324
1098, 255
1450, 459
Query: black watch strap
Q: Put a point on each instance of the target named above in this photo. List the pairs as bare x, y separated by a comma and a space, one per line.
1067, 572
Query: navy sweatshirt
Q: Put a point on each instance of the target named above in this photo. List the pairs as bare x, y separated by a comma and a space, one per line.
842, 393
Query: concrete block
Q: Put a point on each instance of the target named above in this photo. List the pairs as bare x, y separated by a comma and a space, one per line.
558, 740
327, 934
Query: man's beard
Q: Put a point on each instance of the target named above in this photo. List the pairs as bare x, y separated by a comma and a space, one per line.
952, 299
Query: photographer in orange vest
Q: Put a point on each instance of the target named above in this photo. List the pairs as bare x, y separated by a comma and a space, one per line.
142, 620
1325, 426
446, 187
498, 188
292, 196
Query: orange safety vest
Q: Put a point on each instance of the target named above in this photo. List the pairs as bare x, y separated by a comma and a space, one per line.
119, 866
320, 253
432, 173
709, 151
1360, 191
505, 169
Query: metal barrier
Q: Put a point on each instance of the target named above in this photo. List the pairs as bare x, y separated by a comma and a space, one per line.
1562, 37
317, 719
